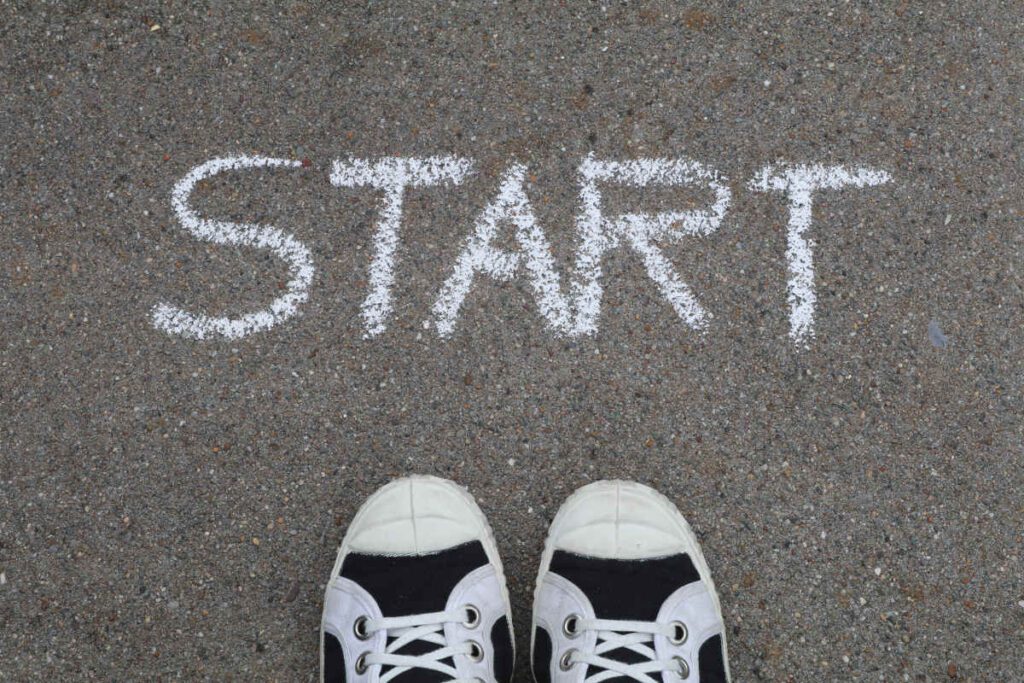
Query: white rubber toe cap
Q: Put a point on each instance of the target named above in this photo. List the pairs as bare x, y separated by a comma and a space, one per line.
416, 515
622, 520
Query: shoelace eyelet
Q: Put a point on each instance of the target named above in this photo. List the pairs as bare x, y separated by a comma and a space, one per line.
472, 617
684, 668
361, 665
359, 628
679, 633
476, 652
570, 625
566, 663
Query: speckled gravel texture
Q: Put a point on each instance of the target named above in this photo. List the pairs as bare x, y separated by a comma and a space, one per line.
170, 509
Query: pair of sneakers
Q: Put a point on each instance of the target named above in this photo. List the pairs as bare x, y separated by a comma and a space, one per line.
417, 593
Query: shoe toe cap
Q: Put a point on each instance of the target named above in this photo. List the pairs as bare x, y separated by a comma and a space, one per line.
622, 520
415, 515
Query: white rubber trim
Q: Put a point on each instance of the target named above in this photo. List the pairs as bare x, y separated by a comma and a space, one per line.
684, 527
487, 539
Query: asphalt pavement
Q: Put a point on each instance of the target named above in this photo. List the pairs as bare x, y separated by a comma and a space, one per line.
170, 505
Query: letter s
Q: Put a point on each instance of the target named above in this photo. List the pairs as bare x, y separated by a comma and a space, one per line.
174, 320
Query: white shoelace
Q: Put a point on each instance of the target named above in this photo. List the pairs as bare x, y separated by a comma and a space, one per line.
636, 636
426, 627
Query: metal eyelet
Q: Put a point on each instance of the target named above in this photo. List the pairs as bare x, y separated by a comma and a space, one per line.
566, 663
679, 633
361, 665
570, 626
472, 617
684, 668
359, 628
476, 651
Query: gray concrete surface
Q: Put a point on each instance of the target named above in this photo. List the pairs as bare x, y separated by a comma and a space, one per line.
170, 508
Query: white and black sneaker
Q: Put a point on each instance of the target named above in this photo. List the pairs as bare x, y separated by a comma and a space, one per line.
624, 594
417, 594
